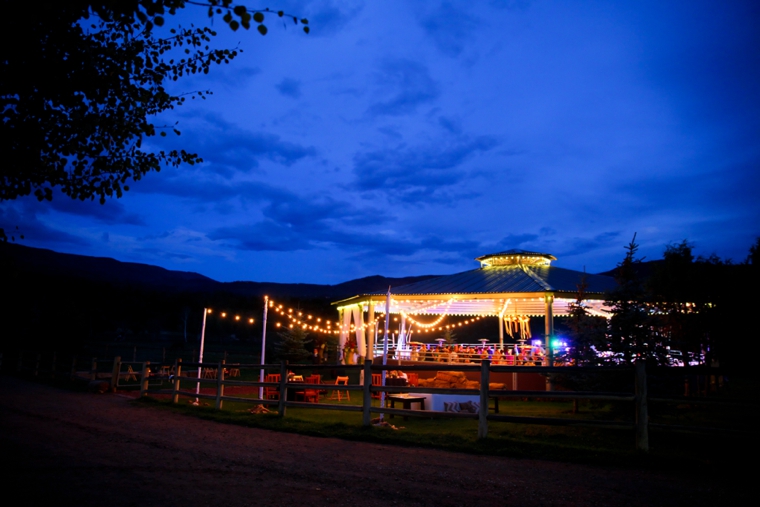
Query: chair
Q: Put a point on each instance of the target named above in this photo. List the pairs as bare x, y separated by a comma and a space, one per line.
272, 393
337, 393
310, 393
377, 380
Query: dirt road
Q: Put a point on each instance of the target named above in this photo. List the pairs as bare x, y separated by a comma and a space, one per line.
68, 448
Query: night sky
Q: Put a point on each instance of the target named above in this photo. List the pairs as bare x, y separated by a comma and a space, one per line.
406, 138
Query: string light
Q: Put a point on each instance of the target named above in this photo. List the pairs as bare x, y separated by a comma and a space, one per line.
238, 318
325, 326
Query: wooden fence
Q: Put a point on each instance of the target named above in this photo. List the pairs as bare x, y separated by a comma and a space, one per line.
151, 379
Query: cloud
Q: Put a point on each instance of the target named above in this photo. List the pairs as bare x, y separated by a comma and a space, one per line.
326, 18
227, 148
297, 222
586, 246
450, 28
112, 212
35, 232
289, 87
510, 4
451, 125
423, 171
511, 241
195, 186
403, 86
230, 77
271, 235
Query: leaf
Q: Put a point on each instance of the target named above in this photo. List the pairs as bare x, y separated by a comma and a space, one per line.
158, 21
239, 10
305, 21
262, 29
306, 29
280, 13
234, 25
258, 17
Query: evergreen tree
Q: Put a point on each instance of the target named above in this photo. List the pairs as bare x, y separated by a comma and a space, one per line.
587, 333
292, 345
632, 330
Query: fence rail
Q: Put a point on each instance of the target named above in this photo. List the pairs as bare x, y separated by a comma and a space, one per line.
151, 378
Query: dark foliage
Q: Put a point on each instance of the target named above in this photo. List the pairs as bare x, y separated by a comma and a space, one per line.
82, 83
293, 345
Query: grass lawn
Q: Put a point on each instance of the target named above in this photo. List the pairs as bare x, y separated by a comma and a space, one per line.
599, 446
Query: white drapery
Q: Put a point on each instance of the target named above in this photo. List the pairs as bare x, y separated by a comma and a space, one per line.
361, 344
345, 328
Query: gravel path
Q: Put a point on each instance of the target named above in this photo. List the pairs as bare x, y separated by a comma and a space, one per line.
69, 448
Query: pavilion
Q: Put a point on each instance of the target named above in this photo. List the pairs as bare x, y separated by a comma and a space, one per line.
513, 285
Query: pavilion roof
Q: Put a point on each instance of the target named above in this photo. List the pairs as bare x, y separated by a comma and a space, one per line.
508, 279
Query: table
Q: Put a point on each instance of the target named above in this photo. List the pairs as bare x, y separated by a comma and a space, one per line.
407, 400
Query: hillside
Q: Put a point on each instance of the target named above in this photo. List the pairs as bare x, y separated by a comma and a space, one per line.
24, 260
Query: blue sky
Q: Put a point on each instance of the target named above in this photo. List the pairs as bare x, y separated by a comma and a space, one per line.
407, 138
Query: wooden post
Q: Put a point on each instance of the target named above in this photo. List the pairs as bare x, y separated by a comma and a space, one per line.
367, 400
642, 414
283, 388
549, 328
73, 367
485, 371
144, 378
37, 365
94, 369
115, 373
220, 385
177, 373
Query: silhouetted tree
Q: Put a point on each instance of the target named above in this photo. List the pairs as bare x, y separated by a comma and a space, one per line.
82, 83
292, 345
586, 332
632, 330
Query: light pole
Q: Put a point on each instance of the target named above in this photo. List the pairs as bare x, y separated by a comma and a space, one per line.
200, 359
263, 346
